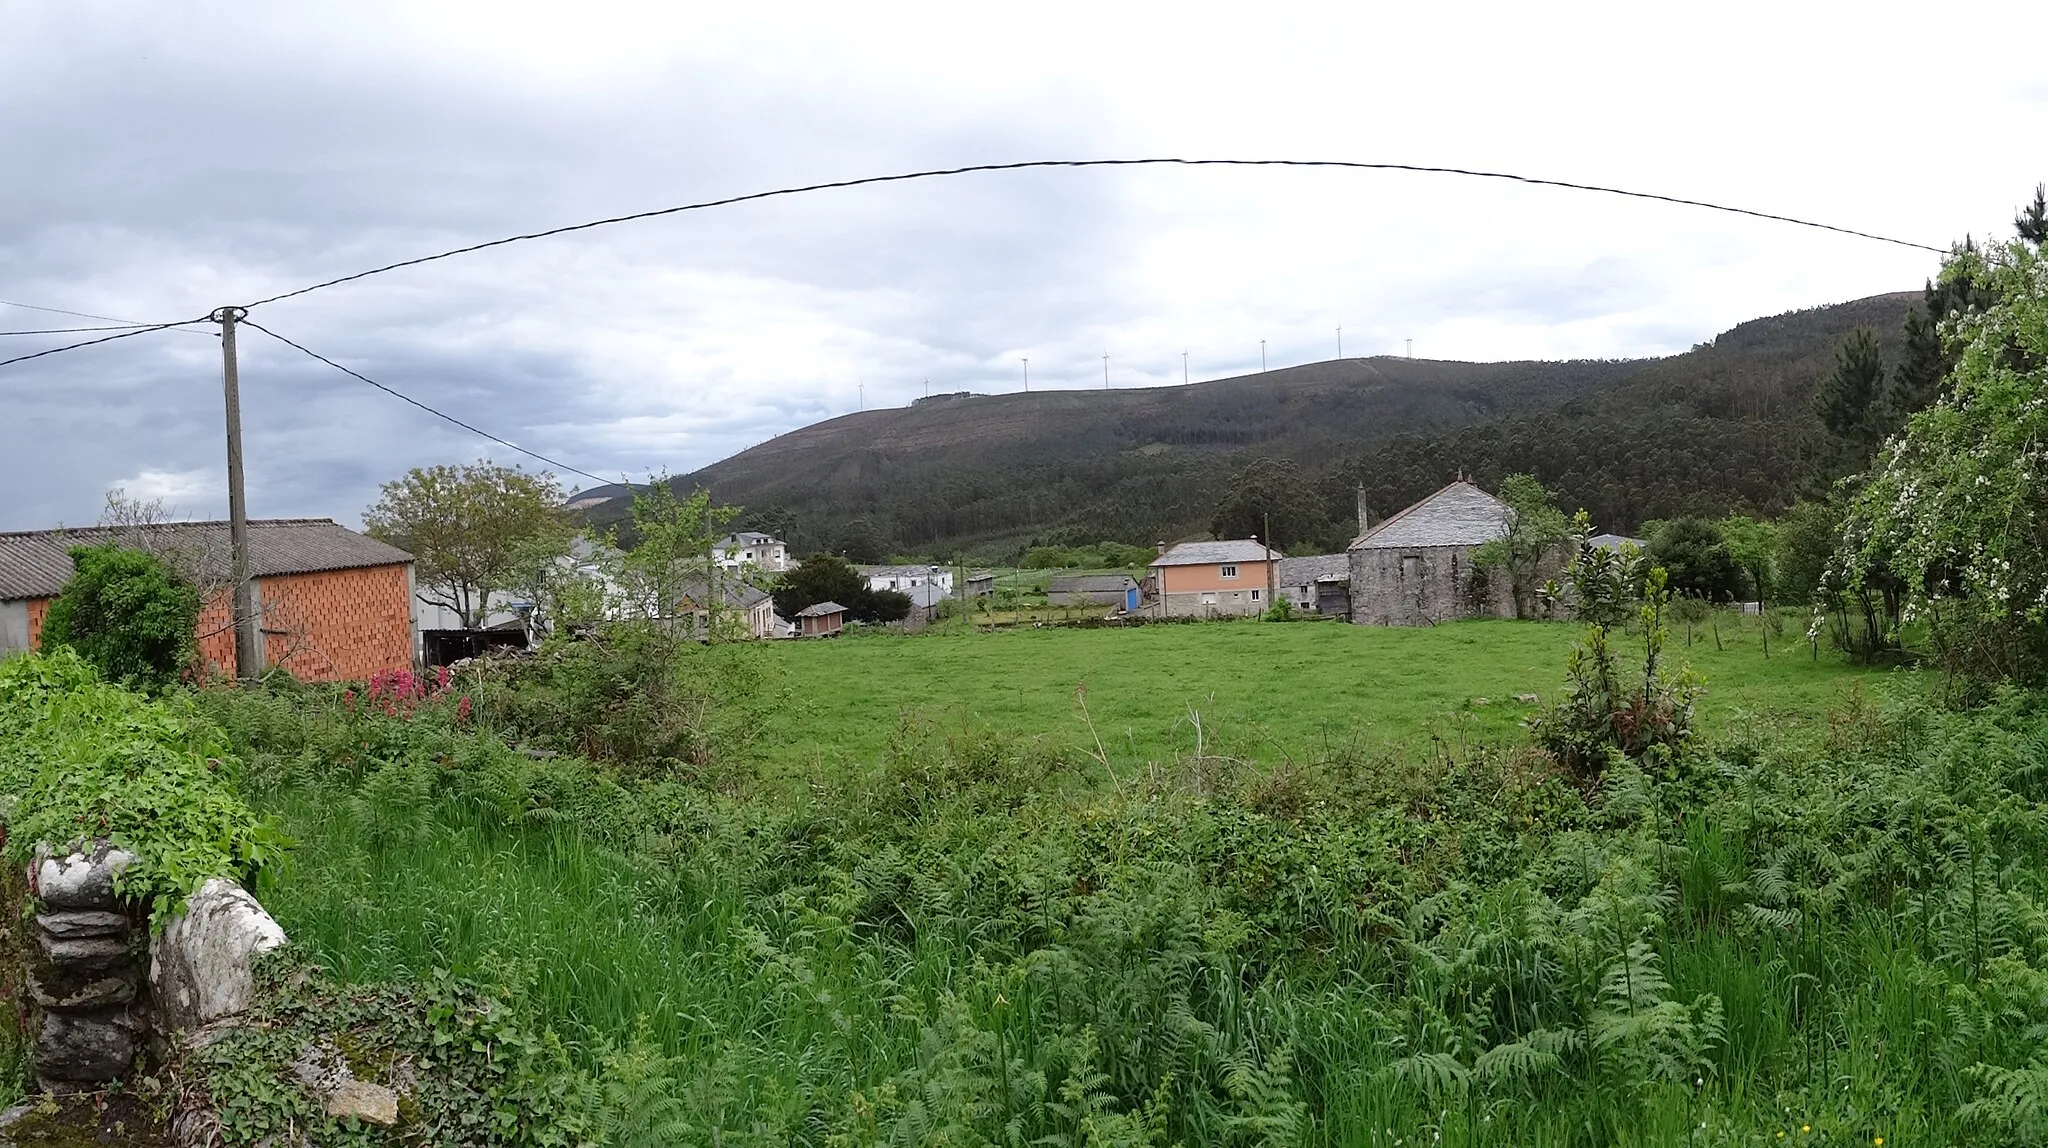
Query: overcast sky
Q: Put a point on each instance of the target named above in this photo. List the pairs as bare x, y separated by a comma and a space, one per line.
161, 159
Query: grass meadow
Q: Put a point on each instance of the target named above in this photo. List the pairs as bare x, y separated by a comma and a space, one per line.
917, 910
1262, 691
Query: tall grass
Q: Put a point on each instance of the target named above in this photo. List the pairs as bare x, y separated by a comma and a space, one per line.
1835, 934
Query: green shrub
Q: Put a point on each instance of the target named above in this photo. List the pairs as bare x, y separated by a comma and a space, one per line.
127, 613
1603, 714
82, 759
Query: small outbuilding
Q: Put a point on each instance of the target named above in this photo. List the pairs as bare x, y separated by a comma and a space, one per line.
1317, 584
821, 620
1416, 567
1119, 590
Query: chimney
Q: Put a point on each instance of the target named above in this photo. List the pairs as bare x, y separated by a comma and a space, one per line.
1364, 513
1162, 549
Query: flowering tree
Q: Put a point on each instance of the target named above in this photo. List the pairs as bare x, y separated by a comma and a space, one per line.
1957, 506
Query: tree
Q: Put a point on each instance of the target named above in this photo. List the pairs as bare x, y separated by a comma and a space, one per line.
1538, 533
464, 526
128, 613
1807, 534
1753, 544
1957, 506
819, 578
1695, 555
2032, 221
1848, 401
1268, 498
672, 556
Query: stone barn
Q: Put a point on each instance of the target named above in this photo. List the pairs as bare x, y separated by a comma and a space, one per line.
1416, 568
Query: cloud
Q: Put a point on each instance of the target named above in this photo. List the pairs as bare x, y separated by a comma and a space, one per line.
164, 161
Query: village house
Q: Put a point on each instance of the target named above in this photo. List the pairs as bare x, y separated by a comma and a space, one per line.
744, 608
1416, 567
823, 620
1229, 578
906, 579
334, 605
750, 548
1119, 590
1317, 584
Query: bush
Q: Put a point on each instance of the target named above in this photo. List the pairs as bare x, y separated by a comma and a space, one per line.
127, 613
1603, 714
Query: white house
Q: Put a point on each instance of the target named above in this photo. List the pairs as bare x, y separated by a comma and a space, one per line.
909, 578
751, 548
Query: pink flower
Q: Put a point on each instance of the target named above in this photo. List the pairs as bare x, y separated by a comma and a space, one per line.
462, 710
441, 676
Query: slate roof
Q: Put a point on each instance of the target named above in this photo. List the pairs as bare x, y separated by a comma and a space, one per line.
1091, 584
737, 594
1616, 542
821, 610
37, 563
747, 538
1460, 514
1208, 553
1314, 568
911, 570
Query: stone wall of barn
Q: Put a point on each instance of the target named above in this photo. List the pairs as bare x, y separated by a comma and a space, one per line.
1423, 585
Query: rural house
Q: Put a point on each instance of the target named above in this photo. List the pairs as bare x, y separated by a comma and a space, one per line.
752, 548
335, 605
1231, 578
1416, 568
1317, 584
822, 620
743, 604
1119, 590
907, 579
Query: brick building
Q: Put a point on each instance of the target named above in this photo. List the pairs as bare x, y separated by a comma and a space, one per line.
1416, 567
335, 604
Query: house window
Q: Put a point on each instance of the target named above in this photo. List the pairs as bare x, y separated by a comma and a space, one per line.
1227, 572
1411, 566
1208, 599
1255, 595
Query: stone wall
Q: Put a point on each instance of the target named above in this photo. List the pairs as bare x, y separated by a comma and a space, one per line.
98, 987
1423, 585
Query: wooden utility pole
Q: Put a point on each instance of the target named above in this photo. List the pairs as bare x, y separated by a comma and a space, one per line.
248, 640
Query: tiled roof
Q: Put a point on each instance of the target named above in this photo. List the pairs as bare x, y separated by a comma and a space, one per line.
1314, 568
821, 610
1460, 514
1207, 553
1091, 584
37, 563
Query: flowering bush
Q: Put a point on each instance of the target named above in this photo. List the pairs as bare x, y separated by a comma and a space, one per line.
1957, 508
401, 693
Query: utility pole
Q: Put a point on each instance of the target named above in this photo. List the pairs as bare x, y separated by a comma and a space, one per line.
1183, 368
1027, 374
1262, 356
1105, 370
248, 640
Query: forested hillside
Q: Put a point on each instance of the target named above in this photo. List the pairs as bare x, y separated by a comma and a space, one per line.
1725, 425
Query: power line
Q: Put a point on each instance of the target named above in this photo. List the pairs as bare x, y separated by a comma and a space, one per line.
1080, 163
415, 402
74, 314
103, 339
76, 330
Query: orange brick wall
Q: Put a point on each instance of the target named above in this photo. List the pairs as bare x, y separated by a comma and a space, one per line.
332, 626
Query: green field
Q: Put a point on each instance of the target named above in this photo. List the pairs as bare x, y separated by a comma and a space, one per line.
1259, 690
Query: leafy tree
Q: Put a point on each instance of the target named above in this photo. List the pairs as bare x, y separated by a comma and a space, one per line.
881, 606
1538, 533
1270, 496
1807, 534
1957, 508
465, 527
819, 578
1753, 544
1848, 402
1695, 555
126, 612
672, 557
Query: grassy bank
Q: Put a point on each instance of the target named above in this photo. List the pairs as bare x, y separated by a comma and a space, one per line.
1260, 690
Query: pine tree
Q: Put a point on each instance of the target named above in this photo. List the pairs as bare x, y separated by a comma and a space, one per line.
2032, 221
1849, 402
